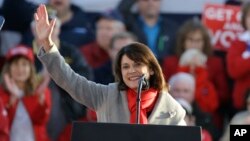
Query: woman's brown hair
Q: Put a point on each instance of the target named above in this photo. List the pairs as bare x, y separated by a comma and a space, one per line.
140, 53
31, 83
244, 10
189, 27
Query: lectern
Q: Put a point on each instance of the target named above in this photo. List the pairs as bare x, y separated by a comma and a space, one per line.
133, 132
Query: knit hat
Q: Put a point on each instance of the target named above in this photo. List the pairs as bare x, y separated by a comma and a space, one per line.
20, 50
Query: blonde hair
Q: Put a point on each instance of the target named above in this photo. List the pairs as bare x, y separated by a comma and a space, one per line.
30, 84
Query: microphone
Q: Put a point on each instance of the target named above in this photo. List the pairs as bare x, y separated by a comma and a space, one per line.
144, 81
142, 84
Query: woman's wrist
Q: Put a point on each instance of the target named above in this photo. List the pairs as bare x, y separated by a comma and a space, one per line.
41, 98
47, 45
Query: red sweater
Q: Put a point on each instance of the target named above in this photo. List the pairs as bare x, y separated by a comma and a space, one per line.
4, 123
94, 55
215, 69
38, 113
239, 70
205, 93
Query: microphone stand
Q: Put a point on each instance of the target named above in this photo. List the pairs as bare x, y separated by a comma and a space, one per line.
138, 99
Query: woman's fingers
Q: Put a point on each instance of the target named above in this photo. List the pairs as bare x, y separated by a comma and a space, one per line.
36, 17
39, 11
44, 12
7, 81
52, 25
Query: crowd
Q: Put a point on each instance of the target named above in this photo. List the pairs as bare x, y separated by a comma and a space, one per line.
213, 89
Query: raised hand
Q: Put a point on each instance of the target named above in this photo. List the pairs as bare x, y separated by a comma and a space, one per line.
15, 92
11, 86
199, 61
44, 27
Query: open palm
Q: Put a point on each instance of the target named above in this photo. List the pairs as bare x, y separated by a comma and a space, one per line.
11, 86
44, 28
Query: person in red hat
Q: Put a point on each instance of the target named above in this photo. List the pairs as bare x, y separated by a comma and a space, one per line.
26, 101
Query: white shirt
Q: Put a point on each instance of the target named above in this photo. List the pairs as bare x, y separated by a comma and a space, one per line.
22, 129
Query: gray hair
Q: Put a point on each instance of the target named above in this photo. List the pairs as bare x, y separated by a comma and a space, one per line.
182, 76
238, 119
122, 35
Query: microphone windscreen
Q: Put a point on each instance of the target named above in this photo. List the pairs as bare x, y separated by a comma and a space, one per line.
145, 84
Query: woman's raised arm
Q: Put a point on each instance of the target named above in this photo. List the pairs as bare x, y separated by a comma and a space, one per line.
86, 92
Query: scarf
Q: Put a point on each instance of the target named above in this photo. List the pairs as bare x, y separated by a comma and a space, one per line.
148, 100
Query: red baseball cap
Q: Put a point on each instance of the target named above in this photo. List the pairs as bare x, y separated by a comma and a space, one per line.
21, 50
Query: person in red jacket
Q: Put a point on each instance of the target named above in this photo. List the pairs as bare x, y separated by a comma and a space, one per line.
26, 100
238, 60
193, 61
193, 34
212, 75
4, 123
183, 87
108, 24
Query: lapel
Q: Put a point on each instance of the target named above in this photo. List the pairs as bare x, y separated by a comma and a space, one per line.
163, 111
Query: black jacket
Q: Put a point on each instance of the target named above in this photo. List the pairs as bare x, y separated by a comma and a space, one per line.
78, 31
19, 14
72, 109
65, 109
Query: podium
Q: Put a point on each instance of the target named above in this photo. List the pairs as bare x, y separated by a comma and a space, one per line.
83, 131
